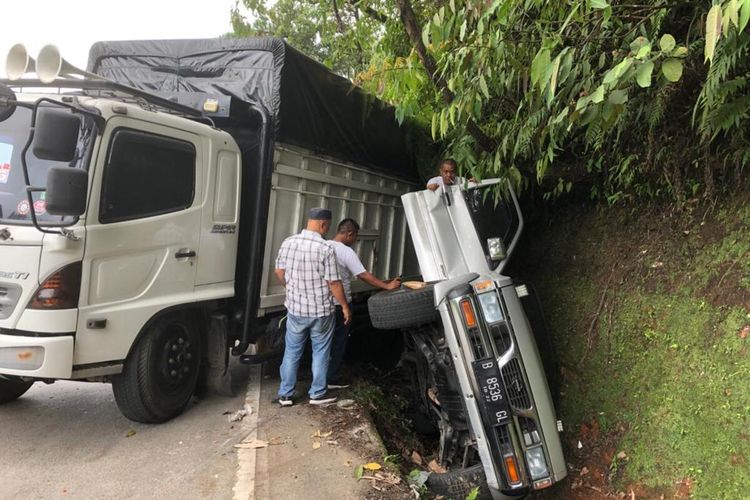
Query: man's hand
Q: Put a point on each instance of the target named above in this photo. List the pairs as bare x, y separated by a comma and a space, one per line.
347, 314
433, 187
393, 284
280, 276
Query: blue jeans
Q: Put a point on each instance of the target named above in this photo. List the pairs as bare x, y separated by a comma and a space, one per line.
320, 331
338, 345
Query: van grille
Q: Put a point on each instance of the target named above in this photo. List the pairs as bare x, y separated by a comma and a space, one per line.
516, 386
501, 337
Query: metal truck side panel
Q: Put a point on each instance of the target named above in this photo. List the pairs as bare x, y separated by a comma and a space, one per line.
302, 180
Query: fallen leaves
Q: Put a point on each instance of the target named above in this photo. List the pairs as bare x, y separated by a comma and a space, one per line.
316, 445
319, 434
372, 466
130, 433
436, 467
744, 332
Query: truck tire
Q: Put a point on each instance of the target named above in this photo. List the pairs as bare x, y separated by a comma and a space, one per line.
402, 308
13, 388
161, 372
459, 483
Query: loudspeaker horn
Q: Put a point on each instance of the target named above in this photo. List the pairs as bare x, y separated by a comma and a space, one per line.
18, 62
50, 65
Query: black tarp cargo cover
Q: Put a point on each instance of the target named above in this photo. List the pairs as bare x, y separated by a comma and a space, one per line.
310, 106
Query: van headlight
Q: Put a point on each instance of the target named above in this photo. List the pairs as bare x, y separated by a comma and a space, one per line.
490, 307
496, 248
537, 463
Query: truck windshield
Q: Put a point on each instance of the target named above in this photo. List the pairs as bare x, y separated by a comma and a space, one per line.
14, 204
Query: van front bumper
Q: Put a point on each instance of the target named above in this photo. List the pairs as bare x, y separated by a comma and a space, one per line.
38, 357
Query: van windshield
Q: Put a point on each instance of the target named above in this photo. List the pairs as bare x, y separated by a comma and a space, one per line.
493, 216
14, 204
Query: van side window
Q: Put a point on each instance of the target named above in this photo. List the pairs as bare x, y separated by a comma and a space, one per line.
146, 175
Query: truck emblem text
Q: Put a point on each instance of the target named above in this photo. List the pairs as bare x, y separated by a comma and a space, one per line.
14, 275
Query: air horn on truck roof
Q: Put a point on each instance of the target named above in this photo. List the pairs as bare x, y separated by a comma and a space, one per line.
49, 65
54, 71
18, 62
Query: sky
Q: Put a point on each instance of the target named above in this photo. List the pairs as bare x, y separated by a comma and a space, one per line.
73, 25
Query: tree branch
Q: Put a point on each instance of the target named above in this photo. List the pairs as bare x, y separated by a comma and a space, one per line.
413, 30
374, 14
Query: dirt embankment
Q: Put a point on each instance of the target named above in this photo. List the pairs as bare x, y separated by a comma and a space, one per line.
649, 311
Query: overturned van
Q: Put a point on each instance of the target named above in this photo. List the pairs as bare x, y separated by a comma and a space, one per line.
470, 345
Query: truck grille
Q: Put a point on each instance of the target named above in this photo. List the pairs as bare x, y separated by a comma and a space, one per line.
9, 295
515, 385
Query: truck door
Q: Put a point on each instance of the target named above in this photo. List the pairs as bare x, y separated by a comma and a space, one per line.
142, 234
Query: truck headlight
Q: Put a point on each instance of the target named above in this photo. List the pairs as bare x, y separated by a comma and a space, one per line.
537, 463
490, 307
496, 248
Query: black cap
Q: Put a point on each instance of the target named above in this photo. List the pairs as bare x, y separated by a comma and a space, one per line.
319, 214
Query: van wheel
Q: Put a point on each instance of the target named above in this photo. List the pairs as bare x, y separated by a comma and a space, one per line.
403, 308
12, 388
460, 483
161, 372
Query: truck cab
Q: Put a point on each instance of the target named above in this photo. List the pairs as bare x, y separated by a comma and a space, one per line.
139, 227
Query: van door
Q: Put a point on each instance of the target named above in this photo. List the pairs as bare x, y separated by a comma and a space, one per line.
142, 236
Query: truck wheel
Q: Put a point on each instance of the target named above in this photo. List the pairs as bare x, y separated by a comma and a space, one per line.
12, 388
402, 308
161, 372
459, 483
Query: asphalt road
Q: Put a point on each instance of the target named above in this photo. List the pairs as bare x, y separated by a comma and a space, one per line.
68, 440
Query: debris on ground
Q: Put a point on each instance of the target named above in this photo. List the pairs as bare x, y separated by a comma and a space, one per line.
239, 414
436, 467
254, 444
346, 404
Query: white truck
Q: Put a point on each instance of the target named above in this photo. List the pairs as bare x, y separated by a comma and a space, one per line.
142, 203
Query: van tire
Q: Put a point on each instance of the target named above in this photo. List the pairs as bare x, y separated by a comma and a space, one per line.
161, 372
459, 483
13, 388
403, 308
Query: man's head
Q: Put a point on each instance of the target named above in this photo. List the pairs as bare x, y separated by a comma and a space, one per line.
319, 220
448, 168
347, 232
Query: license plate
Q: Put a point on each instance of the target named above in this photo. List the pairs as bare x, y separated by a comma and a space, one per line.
492, 398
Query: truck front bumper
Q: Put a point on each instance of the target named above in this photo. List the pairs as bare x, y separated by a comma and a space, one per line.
38, 357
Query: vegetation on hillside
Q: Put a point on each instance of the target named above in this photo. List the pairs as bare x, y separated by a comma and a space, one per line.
650, 316
626, 99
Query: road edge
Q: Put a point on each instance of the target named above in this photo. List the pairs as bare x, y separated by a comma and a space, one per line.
244, 487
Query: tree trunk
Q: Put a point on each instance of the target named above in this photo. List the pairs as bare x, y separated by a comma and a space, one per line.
414, 31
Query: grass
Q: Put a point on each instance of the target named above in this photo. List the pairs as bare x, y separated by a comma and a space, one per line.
666, 377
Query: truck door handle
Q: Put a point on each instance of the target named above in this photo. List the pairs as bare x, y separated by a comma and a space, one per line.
184, 253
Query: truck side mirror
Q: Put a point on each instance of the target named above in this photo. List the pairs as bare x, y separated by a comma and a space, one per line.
7, 103
56, 134
66, 191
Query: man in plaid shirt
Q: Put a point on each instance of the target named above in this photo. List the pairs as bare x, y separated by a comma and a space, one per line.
306, 266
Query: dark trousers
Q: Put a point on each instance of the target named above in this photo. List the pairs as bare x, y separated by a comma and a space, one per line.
338, 345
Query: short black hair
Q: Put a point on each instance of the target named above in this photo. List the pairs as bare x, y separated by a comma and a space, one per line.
448, 161
348, 226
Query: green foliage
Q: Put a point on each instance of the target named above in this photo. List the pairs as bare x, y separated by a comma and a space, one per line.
534, 91
665, 374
